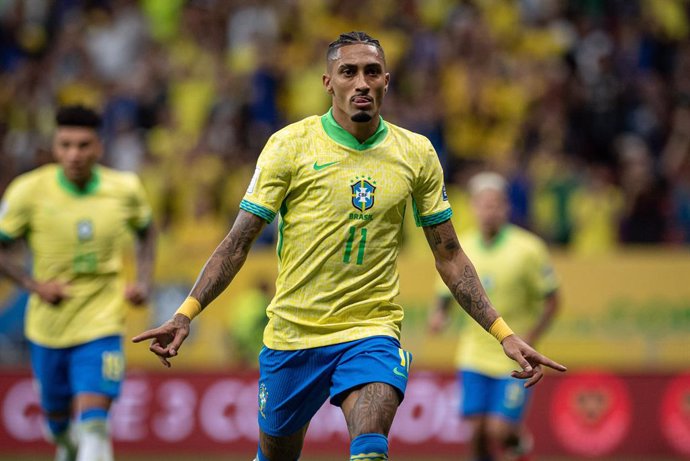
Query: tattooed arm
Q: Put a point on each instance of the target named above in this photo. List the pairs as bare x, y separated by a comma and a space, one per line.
459, 275
218, 272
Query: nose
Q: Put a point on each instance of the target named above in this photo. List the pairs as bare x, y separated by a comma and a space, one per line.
361, 83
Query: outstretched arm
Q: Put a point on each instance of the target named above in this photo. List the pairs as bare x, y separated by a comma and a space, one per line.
218, 272
459, 275
138, 293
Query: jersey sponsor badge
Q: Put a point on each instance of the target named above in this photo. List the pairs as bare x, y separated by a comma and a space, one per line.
4, 206
363, 190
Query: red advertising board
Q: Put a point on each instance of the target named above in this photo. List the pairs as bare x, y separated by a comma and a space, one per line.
583, 414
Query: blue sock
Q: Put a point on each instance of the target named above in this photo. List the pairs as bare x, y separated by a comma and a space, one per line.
93, 413
369, 447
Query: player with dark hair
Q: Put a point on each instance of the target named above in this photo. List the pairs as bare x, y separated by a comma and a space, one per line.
516, 271
74, 216
340, 183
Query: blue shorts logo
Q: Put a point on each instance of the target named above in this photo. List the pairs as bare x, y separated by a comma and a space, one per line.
363, 193
263, 397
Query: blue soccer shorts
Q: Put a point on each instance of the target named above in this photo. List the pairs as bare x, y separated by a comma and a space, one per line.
483, 395
95, 367
294, 384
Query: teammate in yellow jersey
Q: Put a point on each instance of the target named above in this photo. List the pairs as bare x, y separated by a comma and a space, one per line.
75, 216
514, 267
340, 183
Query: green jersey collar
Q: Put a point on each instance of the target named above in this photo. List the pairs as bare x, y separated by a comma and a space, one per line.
498, 239
340, 135
72, 188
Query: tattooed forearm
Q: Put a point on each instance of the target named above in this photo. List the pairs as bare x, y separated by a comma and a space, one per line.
471, 296
459, 274
227, 259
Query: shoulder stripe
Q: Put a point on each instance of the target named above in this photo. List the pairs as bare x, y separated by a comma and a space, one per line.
258, 210
436, 218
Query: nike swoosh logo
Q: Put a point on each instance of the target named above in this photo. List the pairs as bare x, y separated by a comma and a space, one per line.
318, 167
395, 371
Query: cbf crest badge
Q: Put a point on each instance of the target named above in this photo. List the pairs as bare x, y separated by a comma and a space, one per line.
84, 230
363, 190
263, 397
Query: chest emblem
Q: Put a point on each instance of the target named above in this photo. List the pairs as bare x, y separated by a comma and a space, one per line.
84, 230
363, 193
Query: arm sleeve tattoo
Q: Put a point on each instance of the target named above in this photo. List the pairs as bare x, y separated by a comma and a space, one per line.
459, 274
227, 259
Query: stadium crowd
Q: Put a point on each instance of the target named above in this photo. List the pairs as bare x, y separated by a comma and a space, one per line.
584, 105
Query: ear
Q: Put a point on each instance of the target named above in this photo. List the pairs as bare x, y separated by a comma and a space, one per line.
326, 79
388, 80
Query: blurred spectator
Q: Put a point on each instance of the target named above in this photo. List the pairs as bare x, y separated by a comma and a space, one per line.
541, 90
645, 217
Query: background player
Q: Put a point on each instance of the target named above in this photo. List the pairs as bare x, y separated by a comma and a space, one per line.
515, 270
340, 183
75, 216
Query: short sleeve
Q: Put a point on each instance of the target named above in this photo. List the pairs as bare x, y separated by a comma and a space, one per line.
269, 185
429, 198
15, 211
139, 208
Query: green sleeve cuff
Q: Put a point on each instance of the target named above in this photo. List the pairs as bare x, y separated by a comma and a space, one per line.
436, 218
262, 212
5, 238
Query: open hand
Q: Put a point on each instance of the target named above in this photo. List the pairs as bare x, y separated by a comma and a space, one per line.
529, 360
167, 338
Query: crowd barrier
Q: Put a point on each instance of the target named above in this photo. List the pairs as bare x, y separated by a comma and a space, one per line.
576, 414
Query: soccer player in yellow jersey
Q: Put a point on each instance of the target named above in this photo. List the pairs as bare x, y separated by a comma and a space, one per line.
515, 270
339, 183
75, 216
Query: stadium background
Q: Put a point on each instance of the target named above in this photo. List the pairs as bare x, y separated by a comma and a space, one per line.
583, 105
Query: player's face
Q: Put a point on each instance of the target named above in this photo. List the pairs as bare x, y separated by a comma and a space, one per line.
76, 149
357, 80
491, 208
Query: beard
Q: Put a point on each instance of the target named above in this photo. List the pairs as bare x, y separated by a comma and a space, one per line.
361, 117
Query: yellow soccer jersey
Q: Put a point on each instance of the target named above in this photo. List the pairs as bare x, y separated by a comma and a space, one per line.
517, 274
341, 206
75, 237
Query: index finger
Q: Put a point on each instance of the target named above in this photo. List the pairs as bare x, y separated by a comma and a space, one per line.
149, 334
550, 363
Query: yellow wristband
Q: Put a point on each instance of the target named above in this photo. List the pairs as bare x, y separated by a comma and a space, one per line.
190, 308
500, 329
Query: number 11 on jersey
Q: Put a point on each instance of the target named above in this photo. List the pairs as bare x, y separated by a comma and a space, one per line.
350, 241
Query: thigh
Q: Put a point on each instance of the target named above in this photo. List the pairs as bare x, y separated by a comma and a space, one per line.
378, 359
98, 367
292, 387
475, 393
509, 399
51, 373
